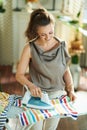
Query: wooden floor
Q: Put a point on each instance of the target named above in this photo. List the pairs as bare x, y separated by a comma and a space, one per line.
70, 124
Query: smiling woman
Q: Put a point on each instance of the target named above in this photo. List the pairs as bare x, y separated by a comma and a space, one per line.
47, 58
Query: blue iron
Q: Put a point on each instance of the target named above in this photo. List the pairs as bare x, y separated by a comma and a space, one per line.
37, 102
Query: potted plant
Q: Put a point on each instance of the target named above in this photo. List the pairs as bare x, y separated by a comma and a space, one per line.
75, 49
30, 4
2, 10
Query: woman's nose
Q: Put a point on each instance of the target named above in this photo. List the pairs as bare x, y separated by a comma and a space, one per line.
47, 37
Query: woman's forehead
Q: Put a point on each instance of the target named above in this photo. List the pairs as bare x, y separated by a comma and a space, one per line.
43, 29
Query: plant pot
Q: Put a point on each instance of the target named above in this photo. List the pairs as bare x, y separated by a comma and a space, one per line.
75, 59
2, 10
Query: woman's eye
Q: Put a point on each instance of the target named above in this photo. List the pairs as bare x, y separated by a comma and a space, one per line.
43, 35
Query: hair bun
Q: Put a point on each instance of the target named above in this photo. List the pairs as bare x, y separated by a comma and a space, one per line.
38, 12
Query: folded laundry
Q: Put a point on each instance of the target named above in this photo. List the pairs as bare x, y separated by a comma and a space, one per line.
3, 101
6, 101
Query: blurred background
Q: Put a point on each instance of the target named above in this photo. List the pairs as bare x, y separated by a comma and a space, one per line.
70, 26
14, 16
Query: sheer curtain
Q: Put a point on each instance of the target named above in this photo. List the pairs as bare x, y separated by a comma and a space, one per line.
83, 58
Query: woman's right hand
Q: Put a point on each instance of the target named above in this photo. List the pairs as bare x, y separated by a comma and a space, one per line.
35, 91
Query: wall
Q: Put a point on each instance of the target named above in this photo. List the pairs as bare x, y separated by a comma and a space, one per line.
20, 21
83, 59
6, 47
12, 27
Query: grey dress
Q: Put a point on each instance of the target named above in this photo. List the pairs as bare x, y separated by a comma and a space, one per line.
47, 68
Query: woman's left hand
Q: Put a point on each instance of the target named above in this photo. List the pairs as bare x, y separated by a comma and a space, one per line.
72, 95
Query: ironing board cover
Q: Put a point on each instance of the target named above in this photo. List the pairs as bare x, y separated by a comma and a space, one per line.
62, 107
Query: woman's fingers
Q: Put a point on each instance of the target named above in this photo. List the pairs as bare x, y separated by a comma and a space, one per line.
72, 96
36, 92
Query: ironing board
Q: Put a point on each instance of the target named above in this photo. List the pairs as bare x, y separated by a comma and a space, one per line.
29, 116
16, 111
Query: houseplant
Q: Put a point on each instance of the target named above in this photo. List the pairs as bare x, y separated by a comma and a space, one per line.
75, 49
2, 10
30, 4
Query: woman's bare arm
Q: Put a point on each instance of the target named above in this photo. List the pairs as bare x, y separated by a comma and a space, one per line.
69, 87
21, 70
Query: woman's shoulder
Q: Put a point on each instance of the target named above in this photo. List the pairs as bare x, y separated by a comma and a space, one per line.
27, 49
61, 42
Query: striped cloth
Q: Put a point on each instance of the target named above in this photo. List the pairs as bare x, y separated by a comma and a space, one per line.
62, 107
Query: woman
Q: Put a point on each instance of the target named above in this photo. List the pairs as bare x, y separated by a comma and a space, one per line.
47, 59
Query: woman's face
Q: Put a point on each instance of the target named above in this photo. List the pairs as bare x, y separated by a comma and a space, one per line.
46, 33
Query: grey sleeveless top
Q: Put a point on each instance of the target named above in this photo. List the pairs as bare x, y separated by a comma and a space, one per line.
47, 68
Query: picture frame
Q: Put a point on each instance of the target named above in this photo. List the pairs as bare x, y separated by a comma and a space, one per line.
48, 4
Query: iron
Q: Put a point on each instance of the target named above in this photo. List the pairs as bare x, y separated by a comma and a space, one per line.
36, 102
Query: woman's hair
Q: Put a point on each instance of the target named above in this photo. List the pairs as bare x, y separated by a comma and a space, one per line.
39, 17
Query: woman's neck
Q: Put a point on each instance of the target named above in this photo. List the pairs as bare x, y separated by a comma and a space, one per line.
47, 45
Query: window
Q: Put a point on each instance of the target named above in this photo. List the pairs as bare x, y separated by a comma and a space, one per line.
75, 6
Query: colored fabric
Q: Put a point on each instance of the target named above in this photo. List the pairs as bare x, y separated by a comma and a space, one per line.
7, 100
48, 67
3, 101
62, 107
